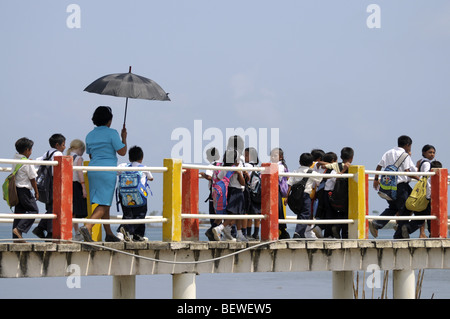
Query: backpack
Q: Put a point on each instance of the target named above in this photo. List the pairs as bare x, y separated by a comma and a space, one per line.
220, 191
388, 183
130, 190
44, 181
338, 197
295, 198
9, 187
320, 212
254, 187
417, 200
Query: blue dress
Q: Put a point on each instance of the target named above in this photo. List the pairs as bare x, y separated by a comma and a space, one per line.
102, 143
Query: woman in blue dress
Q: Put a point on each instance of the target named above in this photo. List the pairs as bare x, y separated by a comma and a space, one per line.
103, 144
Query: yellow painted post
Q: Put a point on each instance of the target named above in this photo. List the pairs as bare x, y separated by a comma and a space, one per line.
172, 200
357, 202
97, 228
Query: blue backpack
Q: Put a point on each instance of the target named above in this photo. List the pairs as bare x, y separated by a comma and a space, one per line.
131, 191
388, 183
220, 192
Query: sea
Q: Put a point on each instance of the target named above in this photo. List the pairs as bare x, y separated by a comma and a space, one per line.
435, 283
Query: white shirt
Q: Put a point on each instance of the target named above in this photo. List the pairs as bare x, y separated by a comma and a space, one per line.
234, 181
146, 175
310, 184
391, 156
24, 174
43, 157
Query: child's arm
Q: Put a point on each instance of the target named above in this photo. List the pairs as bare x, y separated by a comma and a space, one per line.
286, 198
241, 178
376, 182
34, 185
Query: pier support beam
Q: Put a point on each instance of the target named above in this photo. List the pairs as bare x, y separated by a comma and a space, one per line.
343, 285
183, 286
404, 284
124, 287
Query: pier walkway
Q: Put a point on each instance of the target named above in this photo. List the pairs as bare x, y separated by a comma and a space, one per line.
182, 255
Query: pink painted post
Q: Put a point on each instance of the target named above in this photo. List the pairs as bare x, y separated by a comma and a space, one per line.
62, 197
269, 202
189, 205
439, 227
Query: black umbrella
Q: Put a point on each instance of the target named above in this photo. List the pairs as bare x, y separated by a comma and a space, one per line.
128, 85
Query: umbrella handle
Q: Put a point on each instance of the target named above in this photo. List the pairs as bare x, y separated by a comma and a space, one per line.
125, 116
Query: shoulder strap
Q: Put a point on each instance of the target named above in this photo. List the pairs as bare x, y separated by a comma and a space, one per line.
50, 156
305, 179
401, 159
18, 166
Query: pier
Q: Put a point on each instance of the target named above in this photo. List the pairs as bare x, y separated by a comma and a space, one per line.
181, 254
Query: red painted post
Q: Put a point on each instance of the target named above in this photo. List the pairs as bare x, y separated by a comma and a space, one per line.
269, 202
189, 205
439, 199
62, 197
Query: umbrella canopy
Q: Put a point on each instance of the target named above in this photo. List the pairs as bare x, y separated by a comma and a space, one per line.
128, 85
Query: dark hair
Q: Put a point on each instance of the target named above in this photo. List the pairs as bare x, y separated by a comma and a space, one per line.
135, 154
404, 140
435, 164
56, 139
252, 155
347, 153
212, 154
102, 115
230, 157
280, 154
317, 154
23, 144
330, 157
427, 148
235, 142
306, 159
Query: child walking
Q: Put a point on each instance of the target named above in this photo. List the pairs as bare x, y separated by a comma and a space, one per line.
253, 187
277, 156
25, 182
76, 149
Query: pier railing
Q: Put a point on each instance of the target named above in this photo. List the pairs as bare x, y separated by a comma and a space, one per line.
180, 216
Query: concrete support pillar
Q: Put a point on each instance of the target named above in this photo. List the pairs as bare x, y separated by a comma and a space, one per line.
404, 284
343, 285
124, 287
183, 286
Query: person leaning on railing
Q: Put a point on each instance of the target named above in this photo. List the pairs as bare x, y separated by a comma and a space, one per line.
103, 144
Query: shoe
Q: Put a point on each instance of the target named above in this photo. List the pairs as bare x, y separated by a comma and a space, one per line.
310, 234
78, 236
284, 235
39, 232
138, 238
85, 233
255, 236
373, 229
405, 231
209, 234
240, 237
227, 233
49, 235
335, 232
125, 234
120, 236
296, 235
217, 231
111, 238
250, 238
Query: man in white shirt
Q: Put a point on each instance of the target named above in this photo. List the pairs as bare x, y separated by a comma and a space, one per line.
403, 188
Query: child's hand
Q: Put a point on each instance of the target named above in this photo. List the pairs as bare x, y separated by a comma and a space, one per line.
36, 195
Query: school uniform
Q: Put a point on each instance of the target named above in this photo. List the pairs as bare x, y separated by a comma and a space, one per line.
27, 201
305, 212
251, 207
331, 212
79, 203
403, 187
282, 183
235, 194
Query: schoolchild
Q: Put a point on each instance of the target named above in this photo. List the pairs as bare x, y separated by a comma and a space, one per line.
404, 144
25, 183
408, 227
424, 165
57, 146
79, 202
277, 156
306, 160
347, 154
318, 155
135, 232
251, 180
235, 199
213, 157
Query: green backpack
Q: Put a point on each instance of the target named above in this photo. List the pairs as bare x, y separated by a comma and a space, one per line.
417, 200
9, 187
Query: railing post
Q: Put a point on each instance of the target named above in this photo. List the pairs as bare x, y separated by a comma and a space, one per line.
62, 197
172, 200
439, 200
357, 202
189, 204
269, 202
367, 205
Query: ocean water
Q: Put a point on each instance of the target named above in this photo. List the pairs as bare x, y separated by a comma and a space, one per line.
296, 285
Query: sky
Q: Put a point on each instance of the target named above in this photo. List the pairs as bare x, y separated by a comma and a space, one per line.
315, 72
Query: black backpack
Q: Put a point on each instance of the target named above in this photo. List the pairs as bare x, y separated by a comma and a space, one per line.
295, 198
44, 181
254, 187
339, 196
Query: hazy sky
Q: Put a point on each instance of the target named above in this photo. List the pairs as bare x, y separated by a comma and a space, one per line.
313, 70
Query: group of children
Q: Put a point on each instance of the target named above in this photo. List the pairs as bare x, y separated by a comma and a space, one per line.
320, 200
26, 177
